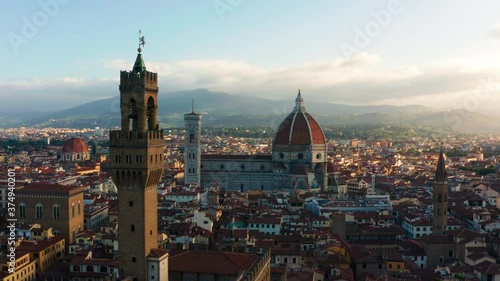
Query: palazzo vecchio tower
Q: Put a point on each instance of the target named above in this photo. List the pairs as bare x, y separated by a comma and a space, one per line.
136, 152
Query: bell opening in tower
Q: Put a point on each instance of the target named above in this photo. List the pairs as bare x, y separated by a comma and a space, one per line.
151, 116
133, 117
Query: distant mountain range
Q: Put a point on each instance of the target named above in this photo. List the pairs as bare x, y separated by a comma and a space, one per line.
222, 109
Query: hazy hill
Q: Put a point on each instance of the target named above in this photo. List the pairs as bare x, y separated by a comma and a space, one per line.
233, 110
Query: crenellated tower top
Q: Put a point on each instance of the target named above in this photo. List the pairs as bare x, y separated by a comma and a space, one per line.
138, 97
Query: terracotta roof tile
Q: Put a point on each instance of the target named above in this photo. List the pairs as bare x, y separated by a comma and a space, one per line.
75, 145
157, 253
299, 128
211, 262
487, 267
48, 188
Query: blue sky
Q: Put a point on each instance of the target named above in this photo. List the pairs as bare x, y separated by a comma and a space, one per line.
433, 53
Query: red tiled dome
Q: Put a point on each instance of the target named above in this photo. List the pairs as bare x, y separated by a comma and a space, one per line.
75, 145
299, 128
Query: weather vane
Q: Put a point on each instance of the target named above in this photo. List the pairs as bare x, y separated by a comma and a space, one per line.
142, 41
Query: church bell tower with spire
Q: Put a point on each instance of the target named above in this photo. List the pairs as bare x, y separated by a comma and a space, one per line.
440, 197
192, 148
136, 152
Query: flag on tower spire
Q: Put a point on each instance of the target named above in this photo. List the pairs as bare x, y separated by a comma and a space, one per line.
139, 65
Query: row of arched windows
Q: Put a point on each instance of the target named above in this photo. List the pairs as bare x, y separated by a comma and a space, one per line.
56, 210
78, 156
156, 157
138, 158
89, 268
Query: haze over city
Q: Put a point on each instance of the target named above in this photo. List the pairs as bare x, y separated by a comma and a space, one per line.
439, 54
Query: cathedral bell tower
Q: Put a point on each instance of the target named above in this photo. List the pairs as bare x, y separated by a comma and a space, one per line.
440, 197
192, 148
136, 152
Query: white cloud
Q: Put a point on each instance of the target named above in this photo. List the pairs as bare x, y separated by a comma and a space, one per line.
71, 80
495, 33
38, 94
359, 80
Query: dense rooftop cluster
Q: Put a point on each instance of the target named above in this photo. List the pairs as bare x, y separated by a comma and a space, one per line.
374, 222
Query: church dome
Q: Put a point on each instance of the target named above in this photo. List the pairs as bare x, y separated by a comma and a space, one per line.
75, 145
299, 128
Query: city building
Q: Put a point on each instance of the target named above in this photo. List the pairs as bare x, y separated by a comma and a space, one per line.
298, 159
416, 227
368, 203
75, 150
265, 225
43, 252
216, 265
440, 197
52, 205
192, 159
96, 215
24, 271
136, 152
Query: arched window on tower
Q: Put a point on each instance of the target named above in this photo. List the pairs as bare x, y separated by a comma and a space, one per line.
440, 198
39, 211
151, 114
133, 116
191, 138
56, 212
22, 211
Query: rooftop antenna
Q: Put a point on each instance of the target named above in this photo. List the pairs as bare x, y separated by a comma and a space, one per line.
192, 105
142, 41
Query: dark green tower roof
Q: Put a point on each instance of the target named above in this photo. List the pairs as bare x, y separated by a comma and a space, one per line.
139, 65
